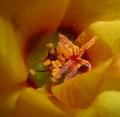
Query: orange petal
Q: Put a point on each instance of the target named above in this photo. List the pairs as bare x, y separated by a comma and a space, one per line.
108, 33
29, 17
8, 101
12, 66
32, 103
81, 90
112, 75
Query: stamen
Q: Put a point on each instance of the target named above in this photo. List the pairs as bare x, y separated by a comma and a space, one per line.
86, 63
72, 73
89, 44
32, 72
63, 69
47, 62
68, 58
49, 45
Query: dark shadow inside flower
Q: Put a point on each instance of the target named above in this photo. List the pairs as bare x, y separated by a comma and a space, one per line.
69, 31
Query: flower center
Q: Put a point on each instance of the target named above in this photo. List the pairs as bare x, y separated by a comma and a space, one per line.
63, 61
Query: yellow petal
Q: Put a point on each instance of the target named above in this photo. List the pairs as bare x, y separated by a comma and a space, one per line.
32, 103
12, 66
108, 32
89, 112
107, 43
112, 75
81, 90
107, 104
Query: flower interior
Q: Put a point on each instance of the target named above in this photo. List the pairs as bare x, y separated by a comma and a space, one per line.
64, 59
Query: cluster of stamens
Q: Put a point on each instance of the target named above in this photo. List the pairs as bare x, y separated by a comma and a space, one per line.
66, 57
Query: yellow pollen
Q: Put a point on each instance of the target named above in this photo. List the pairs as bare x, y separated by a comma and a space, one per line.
47, 62
78, 65
54, 80
53, 74
56, 69
52, 51
70, 50
32, 71
58, 63
61, 58
55, 65
69, 58
66, 54
49, 45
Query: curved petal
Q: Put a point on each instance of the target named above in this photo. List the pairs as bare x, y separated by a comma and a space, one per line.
12, 66
107, 104
32, 103
26, 17
34, 16
108, 32
76, 92
81, 13
108, 41
81, 90
112, 75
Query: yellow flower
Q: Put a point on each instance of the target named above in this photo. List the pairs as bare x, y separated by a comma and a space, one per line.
92, 94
